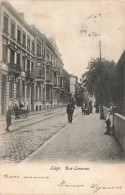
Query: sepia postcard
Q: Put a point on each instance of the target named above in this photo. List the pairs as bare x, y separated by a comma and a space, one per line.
62, 97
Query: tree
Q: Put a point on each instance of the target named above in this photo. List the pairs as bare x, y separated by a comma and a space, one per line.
98, 80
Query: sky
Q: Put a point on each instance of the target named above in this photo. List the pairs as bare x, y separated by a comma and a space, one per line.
77, 27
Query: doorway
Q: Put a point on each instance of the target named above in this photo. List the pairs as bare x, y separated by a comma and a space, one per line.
3, 94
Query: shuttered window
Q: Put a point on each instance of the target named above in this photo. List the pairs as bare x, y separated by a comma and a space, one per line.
13, 30
24, 39
11, 89
5, 23
4, 53
18, 35
17, 90
18, 59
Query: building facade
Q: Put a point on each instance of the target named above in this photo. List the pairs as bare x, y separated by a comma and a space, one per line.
119, 85
73, 87
31, 68
17, 54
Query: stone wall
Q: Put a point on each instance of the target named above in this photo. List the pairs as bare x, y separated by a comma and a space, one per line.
118, 127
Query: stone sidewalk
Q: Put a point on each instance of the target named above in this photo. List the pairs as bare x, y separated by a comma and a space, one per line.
83, 140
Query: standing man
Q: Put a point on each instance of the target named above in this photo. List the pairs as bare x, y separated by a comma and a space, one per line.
8, 118
16, 111
70, 110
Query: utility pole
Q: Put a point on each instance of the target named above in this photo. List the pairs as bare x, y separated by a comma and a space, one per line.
101, 108
100, 52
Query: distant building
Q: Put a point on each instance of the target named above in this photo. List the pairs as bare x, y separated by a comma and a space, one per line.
73, 86
65, 94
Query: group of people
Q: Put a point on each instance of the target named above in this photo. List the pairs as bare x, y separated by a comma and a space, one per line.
87, 108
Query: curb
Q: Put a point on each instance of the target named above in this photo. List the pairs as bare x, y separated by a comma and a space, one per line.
45, 144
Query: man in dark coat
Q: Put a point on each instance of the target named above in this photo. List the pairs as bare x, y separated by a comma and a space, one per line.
8, 118
70, 110
16, 111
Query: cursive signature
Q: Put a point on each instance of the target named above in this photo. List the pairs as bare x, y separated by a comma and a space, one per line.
64, 184
97, 187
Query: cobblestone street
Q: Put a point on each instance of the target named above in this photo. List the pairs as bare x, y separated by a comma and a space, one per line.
26, 135
83, 140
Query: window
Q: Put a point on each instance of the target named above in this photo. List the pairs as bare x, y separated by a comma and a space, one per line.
36, 92
23, 63
28, 43
51, 58
13, 30
4, 53
38, 71
18, 59
32, 67
28, 65
24, 39
23, 88
17, 90
44, 53
11, 89
5, 23
40, 93
33, 47
18, 35
47, 57
12, 54
28, 91
38, 48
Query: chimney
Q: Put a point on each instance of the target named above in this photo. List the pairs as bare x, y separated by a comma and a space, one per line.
21, 14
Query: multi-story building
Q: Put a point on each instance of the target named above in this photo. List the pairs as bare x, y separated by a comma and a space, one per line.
31, 68
17, 53
48, 69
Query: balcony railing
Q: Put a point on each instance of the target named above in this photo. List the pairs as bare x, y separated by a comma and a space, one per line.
39, 56
62, 89
30, 76
40, 79
5, 32
49, 81
56, 86
14, 69
48, 63
12, 38
55, 69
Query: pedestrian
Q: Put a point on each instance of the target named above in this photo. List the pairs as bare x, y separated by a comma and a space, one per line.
109, 118
108, 123
101, 112
8, 118
112, 110
82, 110
70, 110
21, 105
16, 111
90, 107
